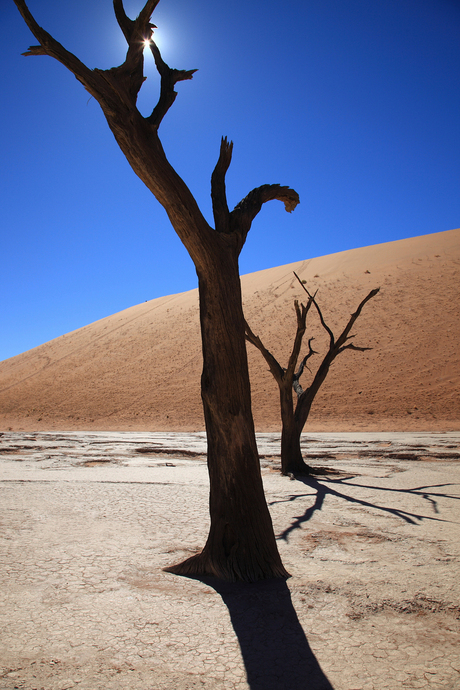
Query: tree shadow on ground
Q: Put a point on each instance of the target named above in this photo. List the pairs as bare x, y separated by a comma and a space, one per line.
325, 488
274, 647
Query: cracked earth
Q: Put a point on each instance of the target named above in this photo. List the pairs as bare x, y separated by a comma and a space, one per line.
88, 521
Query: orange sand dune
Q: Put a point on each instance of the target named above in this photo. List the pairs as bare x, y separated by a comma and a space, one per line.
140, 368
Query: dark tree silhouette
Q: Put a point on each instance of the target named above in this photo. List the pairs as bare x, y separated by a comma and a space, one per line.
241, 544
293, 419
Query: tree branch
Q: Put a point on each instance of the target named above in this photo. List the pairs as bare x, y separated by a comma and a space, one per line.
35, 50
218, 192
336, 347
302, 364
126, 80
296, 378
137, 34
129, 26
344, 335
146, 12
244, 213
124, 22
301, 313
323, 323
169, 78
49, 46
275, 368
353, 347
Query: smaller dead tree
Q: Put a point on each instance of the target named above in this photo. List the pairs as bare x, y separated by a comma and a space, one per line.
293, 418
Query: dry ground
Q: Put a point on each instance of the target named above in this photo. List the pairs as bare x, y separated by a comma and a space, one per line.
88, 521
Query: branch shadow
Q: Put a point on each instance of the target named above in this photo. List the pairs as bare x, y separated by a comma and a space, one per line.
274, 647
323, 488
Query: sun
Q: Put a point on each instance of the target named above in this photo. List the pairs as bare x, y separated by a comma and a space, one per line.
148, 41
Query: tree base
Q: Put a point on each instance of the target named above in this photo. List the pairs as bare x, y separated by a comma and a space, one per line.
298, 467
201, 565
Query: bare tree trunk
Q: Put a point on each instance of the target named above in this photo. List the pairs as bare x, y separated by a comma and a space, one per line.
241, 543
292, 461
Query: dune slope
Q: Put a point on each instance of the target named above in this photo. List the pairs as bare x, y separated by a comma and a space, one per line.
140, 368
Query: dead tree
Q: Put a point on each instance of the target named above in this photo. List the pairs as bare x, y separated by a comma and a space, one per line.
293, 419
241, 542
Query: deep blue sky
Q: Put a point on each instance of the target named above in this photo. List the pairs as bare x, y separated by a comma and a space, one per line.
354, 103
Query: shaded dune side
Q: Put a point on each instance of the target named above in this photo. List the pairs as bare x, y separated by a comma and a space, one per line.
140, 368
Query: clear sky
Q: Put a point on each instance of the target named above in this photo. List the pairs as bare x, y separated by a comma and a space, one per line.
353, 103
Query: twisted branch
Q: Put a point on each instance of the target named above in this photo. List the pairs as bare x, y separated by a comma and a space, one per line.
244, 213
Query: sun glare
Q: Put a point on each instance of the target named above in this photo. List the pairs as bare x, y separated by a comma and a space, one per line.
158, 37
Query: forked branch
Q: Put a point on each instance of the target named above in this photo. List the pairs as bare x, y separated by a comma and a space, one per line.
127, 25
280, 374
338, 345
118, 86
344, 336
